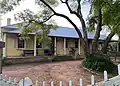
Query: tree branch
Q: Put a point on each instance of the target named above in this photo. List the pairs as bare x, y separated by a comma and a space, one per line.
106, 42
64, 16
47, 19
48, 6
62, 1
76, 28
79, 15
79, 7
30, 21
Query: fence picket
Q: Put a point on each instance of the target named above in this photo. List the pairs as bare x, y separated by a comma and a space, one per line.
9, 80
60, 83
52, 83
28, 82
92, 80
105, 76
81, 82
1, 76
15, 81
5, 78
70, 83
36, 84
118, 69
43, 83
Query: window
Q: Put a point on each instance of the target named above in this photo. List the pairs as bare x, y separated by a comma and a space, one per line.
76, 43
38, 44
20, 43
66, 43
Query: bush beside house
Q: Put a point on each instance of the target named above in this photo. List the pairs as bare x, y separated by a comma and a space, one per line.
99, 63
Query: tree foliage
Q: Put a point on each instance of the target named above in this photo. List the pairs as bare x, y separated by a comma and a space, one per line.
110, 17
8, 5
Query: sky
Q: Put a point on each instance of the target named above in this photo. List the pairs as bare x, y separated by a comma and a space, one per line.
60, 9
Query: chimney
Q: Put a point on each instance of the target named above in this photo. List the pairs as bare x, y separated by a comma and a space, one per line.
8, 21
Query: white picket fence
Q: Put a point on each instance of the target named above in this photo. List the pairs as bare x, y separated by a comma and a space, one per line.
4, 81
8, 81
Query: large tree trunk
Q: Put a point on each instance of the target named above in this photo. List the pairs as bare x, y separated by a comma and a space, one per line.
85, 38
97, 34
105, 45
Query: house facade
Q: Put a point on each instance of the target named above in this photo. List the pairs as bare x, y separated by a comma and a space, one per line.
61, 42
63, 39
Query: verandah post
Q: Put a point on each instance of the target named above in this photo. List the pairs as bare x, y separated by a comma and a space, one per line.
34, 45
118, 69
105, 76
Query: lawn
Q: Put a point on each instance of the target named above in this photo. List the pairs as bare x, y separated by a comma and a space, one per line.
57, 71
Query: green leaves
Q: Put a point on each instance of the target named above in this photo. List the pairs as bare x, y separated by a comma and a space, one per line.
111, 16
8, 5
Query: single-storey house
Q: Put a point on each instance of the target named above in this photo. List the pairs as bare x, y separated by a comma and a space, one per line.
63, 38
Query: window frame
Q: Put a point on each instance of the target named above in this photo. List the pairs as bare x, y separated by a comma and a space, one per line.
18, 41
76, 43
38, 45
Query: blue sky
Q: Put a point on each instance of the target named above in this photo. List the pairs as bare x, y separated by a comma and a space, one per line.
61, 9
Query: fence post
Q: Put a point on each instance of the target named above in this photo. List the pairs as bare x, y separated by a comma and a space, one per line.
60, 83
36, 83
5, 78
43, 83
1, 76
92, 80
15, 81
118, 69
9, 80
105, 76
70, 83
80, 82
52, 83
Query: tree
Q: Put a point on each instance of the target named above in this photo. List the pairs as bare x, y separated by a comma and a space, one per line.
8, 5
109, 17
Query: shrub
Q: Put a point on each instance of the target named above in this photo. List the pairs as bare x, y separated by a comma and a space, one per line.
99, 63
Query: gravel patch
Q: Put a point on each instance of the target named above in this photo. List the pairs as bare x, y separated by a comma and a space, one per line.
57, 71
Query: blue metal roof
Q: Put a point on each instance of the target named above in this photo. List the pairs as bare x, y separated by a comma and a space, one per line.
58, 32
64, 32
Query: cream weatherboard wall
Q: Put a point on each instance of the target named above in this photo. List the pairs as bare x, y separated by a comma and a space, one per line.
11, 46
12, 49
